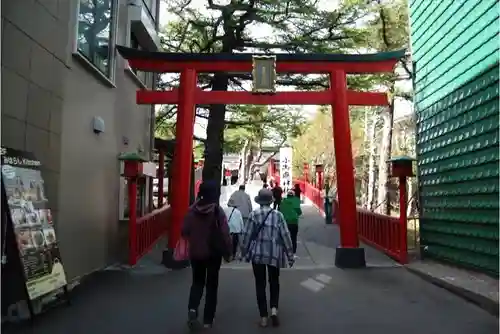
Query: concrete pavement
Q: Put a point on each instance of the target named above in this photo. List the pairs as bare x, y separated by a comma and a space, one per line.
315, 298
378, 301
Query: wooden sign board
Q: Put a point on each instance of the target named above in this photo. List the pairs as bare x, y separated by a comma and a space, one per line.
264, 74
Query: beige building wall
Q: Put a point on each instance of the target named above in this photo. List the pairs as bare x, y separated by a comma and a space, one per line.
50, 96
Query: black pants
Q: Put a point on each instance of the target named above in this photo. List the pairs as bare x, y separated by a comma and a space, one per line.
236, 240
260, 271
276, 205
294, 230
205, 274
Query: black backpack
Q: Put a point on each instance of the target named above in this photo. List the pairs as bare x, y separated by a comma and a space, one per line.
217, 242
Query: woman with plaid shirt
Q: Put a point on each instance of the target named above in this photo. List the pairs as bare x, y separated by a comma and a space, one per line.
268, 246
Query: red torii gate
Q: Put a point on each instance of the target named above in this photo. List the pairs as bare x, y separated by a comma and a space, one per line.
188, 95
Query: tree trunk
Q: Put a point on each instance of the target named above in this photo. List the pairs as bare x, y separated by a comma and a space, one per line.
385, 149
388, 203
364, 176
215, 134
249, 163
371, 161
243, 164
411, 198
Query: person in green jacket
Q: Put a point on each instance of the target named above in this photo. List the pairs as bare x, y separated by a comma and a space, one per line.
290, 208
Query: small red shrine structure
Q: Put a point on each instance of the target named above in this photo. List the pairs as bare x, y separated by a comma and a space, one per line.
188, 95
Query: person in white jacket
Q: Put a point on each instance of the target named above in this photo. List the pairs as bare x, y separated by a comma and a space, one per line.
242, 201
235, 222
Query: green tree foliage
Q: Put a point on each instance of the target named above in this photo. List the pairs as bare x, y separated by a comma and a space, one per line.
297, 25
271, 125
316, 144
390, 31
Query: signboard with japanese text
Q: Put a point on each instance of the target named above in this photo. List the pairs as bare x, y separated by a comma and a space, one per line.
32, 223
286, 177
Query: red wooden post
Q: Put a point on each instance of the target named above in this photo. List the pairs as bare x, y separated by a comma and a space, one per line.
161, 173
348, 255
403, 221
132, 220
183, 155
402, 168
306, 172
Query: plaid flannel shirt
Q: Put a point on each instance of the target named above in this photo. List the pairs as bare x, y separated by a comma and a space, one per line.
273, 244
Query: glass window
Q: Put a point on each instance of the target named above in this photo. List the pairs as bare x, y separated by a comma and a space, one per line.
95, 31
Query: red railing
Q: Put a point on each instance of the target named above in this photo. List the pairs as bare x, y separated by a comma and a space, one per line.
148, 230
383, 232
312, 193
386, 233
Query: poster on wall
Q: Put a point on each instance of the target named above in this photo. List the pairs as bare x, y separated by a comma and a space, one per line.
286, 177
32, 223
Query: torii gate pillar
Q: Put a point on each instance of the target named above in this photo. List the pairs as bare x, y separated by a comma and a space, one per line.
183, 155
349, 254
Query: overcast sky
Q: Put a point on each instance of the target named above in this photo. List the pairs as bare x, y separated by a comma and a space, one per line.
261, 31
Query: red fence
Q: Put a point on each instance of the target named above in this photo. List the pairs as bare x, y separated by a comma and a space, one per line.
383, 232
148, 230
312, 193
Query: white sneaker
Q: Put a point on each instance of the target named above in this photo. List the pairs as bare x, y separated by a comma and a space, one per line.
295, 256
263, 322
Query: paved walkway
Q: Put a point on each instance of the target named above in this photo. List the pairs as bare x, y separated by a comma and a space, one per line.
316, 297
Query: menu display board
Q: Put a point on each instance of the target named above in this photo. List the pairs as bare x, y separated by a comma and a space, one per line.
32, 223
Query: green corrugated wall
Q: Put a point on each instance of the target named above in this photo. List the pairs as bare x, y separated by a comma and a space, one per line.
455, 52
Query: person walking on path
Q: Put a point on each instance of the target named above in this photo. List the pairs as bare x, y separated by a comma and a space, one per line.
242, 201
206, 230
290, 208
332, 198
235, 222
278, 196
297, 191
268, 246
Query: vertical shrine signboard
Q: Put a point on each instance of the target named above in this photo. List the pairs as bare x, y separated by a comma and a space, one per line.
31, 219
286, 177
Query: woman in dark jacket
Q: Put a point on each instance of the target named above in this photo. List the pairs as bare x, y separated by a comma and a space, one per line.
204, 219
297, 190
